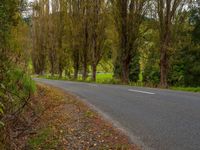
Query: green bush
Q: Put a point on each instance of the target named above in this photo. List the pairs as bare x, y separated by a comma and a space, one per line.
14, 91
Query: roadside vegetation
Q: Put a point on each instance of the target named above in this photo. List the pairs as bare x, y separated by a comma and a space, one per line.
152, 42
190, 89
16, 86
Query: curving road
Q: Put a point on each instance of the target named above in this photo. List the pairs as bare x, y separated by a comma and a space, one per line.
154, 118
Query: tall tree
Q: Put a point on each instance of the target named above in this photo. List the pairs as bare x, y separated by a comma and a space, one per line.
97, 34
61, 23
128, 18
74, 33
40, 35
167, 11
86, 11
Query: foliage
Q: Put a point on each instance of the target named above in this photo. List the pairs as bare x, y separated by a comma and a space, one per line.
149, 50
192, 67
185, 69
15, 85
192, 71
151, 71
134, 68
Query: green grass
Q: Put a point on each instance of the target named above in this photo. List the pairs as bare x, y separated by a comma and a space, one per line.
189, 89
100, 78
48, 76
104, 77
43, 140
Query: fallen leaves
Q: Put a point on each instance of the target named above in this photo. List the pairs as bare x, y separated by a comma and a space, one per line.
65, 123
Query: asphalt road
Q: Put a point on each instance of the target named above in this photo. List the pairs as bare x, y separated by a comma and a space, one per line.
154, 118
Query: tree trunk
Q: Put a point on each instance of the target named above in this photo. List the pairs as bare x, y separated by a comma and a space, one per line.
60, 71
94, 69
163, 66
76, 68
86, 46
84, 74
125, 72
165, 45
76, 62
52, 70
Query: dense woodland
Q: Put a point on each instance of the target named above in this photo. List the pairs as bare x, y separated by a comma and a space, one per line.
156, 42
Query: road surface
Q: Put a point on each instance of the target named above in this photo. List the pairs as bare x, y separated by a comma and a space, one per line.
153, 118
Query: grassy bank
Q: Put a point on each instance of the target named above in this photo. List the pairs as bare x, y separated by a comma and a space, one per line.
187, 89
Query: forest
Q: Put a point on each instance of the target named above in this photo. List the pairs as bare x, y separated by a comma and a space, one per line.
152, 42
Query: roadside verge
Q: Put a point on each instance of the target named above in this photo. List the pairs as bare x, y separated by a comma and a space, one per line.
59, 120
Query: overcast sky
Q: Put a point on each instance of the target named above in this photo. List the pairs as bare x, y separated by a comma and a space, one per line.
30, 0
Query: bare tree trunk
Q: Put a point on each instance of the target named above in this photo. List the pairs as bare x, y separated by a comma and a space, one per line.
167, 10
163, 67
52, 70
60, 71
76, 68
75, 74
165, 37
86, 47
84, 74
128, 18
125, 73
94, 69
